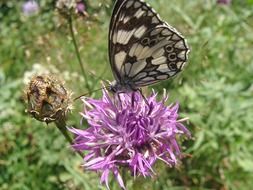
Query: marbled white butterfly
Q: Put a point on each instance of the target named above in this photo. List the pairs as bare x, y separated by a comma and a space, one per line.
143, 49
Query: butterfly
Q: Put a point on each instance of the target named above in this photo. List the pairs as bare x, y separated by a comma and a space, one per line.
143, 49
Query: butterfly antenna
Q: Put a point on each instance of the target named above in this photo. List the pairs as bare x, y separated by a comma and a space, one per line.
105, 87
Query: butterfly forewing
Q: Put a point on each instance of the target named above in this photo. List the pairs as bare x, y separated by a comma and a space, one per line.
130, 20
143, 49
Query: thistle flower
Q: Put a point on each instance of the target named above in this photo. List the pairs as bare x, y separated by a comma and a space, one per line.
47, 98
30, 8
128, 131
81, 8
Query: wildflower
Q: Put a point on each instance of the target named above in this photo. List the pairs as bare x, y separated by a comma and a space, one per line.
47, 98
128, 131
66, 7
224, 2
30, 8
80, 7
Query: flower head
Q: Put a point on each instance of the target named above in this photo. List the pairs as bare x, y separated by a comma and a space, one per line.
66, 7
128, 131
30, 8
80, 7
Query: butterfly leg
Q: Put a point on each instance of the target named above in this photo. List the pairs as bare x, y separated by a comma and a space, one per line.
119, 99
144, 98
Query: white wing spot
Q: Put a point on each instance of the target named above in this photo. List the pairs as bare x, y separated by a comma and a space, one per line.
123, 36
140, 31
139, 13
156, 31
138, 50
160, 45
137, 4
163, 68
119, 33
148, 79
166, 32
140, 75
152, 73
168, 38
175, 37
114, 38
122, 16
158, 53
126, 19
127, 68
132, 50
181, 55
171, 73
137, 67
129, 4
144, 8
146, 52
159, 60
180, 65
162, 77
119, 59
130, 34
150, 13
155, 20
180, 45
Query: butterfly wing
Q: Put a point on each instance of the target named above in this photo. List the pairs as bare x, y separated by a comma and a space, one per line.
130, 19
142, 48
160, 54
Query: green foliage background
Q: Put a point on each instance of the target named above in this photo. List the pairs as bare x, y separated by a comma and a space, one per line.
215, 91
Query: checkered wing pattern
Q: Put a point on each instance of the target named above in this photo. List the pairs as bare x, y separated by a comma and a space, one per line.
143, 49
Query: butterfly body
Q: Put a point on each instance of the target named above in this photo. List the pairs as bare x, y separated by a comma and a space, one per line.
143, 49
127, 86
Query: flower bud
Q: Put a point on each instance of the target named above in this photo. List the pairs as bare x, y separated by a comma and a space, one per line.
48, 100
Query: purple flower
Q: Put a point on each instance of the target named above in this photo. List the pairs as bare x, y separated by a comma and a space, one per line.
224, 2
128, 131
80, 7
30, 8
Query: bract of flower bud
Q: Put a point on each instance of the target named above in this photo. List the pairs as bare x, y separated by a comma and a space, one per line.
48, 100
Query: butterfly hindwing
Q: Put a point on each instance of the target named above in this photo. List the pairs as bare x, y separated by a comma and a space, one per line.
160, 54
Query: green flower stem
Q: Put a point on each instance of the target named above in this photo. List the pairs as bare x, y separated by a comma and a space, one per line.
124, 175
61, 125
70, 22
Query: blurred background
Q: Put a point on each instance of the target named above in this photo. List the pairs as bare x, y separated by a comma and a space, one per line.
215, 90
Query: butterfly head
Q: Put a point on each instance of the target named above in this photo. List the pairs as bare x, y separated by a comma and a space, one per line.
116, 87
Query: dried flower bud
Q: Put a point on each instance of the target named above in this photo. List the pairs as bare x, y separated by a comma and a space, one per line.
48, 100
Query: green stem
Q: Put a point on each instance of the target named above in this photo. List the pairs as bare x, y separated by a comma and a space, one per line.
124, 175
61, 125
77, 51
